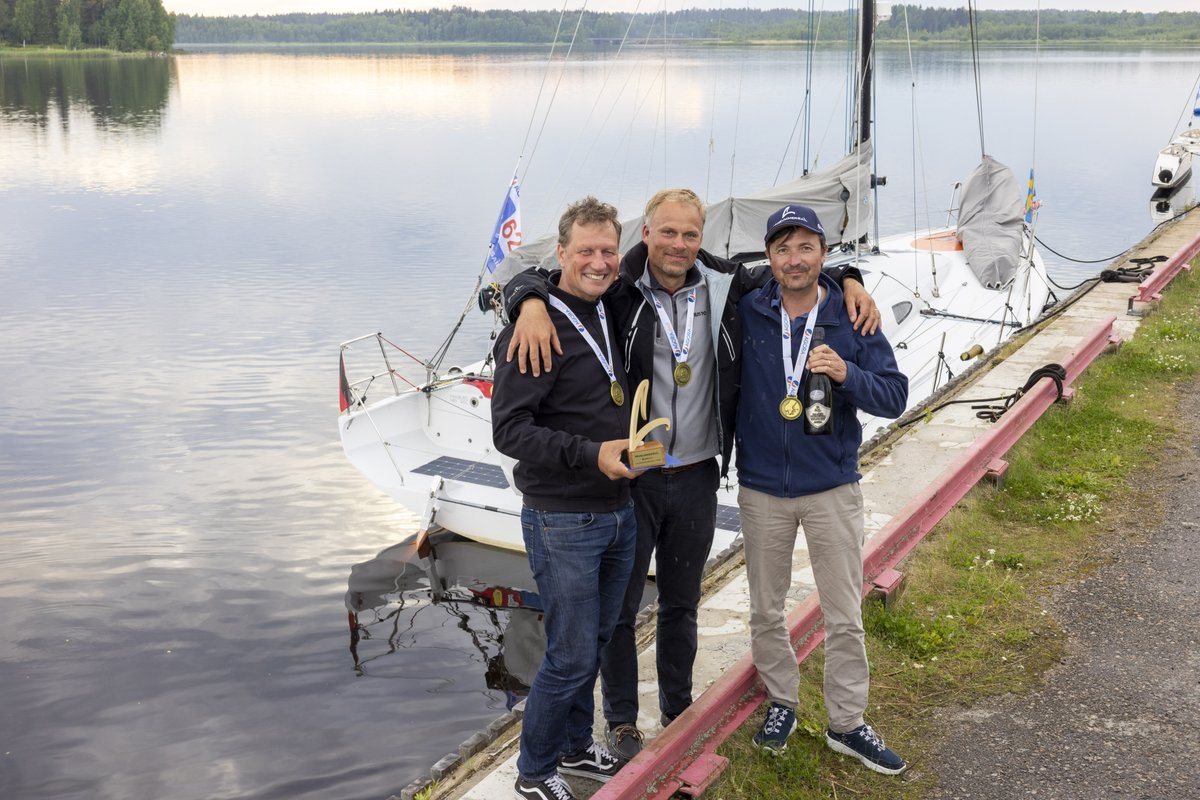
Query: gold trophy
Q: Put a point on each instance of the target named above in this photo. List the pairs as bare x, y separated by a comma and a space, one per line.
643, 454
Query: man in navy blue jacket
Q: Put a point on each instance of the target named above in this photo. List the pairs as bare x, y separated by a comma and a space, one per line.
788, 478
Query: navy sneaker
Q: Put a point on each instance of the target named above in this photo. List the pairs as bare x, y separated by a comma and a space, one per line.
593, 761
775, 730
624, 741
552, 788
868, 747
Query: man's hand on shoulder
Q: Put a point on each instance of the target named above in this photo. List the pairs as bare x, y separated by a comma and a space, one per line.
864, 314
533, 337
609, 460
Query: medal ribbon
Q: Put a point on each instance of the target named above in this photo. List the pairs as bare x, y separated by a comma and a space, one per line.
681, 352
587, 337
793, 369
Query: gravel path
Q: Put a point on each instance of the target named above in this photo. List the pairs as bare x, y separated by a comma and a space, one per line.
1119, 717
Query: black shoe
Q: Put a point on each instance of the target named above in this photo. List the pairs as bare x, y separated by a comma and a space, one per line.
867, 746
624, 741
593, 761
552, 788
667, 719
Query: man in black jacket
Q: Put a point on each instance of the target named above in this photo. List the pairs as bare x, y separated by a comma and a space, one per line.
675, 308
567, 429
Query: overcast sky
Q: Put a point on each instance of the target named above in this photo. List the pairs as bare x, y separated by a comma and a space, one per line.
226, 7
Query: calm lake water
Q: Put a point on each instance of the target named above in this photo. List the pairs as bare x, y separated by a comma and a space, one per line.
185, 243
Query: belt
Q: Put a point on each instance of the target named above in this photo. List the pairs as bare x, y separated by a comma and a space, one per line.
683, 467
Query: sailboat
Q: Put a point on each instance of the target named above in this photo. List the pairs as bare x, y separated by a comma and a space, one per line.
1174, 162
947, 295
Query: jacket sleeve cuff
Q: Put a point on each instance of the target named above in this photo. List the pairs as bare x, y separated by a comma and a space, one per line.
591, 454
840, 274
530, 283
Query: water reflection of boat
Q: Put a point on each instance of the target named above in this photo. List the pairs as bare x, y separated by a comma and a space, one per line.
1167, 204
489, 594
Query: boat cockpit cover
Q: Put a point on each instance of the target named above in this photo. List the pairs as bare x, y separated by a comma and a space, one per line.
990, 222
840, 194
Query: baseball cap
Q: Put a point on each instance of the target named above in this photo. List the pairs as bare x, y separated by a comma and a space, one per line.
793, 216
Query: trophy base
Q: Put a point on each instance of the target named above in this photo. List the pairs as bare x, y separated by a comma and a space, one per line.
651, 454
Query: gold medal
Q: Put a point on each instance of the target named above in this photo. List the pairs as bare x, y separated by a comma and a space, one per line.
618, 394
682, 374
790, 408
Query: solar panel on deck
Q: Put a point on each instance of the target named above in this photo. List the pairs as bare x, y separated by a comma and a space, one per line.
459, 469
728, 518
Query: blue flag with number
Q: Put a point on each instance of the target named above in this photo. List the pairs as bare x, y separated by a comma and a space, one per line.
507, 235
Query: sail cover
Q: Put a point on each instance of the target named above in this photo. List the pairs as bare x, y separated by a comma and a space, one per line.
990, 222
840, 194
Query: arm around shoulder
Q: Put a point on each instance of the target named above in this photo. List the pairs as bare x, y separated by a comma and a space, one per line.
524, 285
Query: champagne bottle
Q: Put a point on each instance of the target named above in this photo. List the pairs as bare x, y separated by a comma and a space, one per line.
818, 396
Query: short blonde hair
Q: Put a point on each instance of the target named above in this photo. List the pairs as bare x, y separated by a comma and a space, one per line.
685, 196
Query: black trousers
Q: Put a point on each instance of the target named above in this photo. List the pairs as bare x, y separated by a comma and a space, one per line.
676, 514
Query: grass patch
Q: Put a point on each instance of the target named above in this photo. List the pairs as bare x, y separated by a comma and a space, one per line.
969, 624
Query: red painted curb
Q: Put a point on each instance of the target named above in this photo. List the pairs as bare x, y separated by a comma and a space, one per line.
1150, 288
682, 757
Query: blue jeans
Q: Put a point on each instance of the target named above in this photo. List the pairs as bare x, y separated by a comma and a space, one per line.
581, 562
676, 514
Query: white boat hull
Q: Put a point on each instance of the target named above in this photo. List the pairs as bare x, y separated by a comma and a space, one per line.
1173, 166
431, 448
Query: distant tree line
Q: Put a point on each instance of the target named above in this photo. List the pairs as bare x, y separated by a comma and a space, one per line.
119, 24
459, 24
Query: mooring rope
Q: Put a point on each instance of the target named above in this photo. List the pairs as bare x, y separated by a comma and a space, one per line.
991, 413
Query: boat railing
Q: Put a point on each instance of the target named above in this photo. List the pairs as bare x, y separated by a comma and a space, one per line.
398, 381
955, 206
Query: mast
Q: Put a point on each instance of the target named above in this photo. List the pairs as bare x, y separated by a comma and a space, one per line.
866, 54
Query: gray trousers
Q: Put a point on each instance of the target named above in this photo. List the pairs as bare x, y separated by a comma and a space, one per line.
833, 528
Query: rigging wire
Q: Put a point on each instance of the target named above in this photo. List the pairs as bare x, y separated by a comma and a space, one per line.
581, 161
1037, 68
918, 160
1194, 101
814, 27
802, 112
660, 121
737, 121
712, 126
851, 72
542, 87
975, 65
558, 83
444, 348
